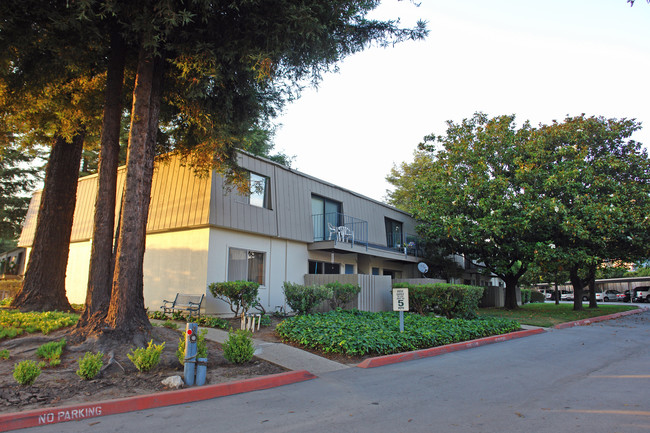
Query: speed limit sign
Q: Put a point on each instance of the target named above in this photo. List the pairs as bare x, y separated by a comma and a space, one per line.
400, 299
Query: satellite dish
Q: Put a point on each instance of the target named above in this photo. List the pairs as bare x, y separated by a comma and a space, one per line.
422, 267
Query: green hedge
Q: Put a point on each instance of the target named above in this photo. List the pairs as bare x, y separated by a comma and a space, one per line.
359, 333
536, 296
342, 293
525, 296
449, 300
303, 299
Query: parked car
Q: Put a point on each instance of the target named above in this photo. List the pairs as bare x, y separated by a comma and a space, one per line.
642, 294
565, 295
613, 295
585, 296
626, 296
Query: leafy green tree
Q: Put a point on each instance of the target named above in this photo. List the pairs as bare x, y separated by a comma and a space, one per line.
48, 97
220, 69
466, 190
595, 182
18, 174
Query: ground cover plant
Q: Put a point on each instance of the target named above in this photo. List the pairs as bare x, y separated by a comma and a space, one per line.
26, 372
52, 351
14, 323
358, 333
145, 359
90, 365
547, 315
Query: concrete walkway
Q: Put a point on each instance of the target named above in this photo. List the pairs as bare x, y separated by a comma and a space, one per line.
284, 355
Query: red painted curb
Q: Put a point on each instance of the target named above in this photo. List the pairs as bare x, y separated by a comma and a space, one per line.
53, 415
434, 351
591, 320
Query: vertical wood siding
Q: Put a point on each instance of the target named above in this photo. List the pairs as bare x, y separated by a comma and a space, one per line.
181, 199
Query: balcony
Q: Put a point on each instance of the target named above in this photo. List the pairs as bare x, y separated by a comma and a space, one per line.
337, 231
341, 229
405, 243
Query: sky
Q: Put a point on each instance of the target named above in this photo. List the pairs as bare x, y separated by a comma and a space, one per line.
538, 60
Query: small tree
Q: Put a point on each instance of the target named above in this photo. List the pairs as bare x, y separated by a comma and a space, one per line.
240, 295
303, 299
342, 293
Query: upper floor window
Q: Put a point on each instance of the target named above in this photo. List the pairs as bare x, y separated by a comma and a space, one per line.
394, 238
260, 194
326, 216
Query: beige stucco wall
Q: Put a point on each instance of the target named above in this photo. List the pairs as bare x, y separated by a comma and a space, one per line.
284, 261
76, 274
175, 262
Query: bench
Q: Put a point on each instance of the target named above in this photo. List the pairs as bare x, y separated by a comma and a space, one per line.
189, 303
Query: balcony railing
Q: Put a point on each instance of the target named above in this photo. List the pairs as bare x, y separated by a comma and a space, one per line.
405, 243
339, 227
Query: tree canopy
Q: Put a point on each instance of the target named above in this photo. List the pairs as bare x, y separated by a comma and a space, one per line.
562, 196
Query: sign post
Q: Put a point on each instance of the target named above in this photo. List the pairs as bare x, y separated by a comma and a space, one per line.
401, 304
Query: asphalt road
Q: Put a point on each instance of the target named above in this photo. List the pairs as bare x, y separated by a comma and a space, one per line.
584, 379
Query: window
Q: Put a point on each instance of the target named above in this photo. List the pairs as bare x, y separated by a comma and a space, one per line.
393, 233
316, 267
349, 269
325, 213
245, 265
259, 195
375, 271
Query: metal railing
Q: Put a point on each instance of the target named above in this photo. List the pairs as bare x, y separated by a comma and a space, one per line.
405, 243
339, 227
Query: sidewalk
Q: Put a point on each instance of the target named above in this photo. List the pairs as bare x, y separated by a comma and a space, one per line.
284, 355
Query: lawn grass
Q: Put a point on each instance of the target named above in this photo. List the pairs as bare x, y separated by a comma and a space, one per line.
548, 314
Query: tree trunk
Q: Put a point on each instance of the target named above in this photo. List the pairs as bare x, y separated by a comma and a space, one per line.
127, 316
592, 287
577, 283
100, 274
511, 292
44, 285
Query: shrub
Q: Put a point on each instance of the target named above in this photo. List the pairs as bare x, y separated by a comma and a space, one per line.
265, 320
240, 295
525, 296
26, 372
449, 300
4, 354
169, 324
536, 296
147, 358
342, 293
303, 299
359, 332
159, 315
11, 286
239, 347
90, 365
213, 322
201, 347
52, 351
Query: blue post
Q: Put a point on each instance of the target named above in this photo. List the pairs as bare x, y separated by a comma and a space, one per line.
401, 321
201, 371
191, 336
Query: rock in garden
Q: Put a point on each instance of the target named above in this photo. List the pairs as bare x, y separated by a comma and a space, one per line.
173, 382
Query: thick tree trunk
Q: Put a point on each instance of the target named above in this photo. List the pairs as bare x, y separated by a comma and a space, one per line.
100, 276
511, 293
127, 316
577, 283
44, 285
592, 287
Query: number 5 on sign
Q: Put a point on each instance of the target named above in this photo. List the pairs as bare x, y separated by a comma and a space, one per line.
400, 299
